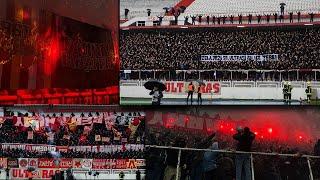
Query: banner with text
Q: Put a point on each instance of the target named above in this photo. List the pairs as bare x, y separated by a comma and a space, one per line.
181, 87
263, 57
46, 148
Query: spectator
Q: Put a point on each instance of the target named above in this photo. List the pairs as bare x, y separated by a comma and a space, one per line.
259, 18
218, 19
231, 19
172, 160
186, 18
126, 12
311, 16
200, 19
249, 18
224, 19
282, 8
181, 49
291, 17
208, 19
160, 20
299, 16
268, 18
210, 161
213, 19
149, 12
245, 138
240, 19
193, 20
275, 15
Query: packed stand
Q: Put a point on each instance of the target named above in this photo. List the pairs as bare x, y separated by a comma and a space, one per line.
91, 129
225, 166
181, 49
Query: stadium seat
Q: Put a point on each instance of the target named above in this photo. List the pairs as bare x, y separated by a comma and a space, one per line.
86, 96
71, 96
52, 96
139, 7
235, 7
28, 97
6, 98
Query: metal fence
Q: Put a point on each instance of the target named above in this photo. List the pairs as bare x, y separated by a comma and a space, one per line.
309, 164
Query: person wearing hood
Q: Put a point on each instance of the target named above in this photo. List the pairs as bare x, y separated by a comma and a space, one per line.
210, 159
245, 139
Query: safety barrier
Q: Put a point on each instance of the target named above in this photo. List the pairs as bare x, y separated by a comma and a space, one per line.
307, 157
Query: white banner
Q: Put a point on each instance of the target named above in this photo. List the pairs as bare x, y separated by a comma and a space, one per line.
263, 57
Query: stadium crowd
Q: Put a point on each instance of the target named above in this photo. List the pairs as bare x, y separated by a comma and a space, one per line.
224, 166
181, 49
72, 131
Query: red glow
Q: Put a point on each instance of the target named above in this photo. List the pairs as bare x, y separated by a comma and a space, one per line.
52, 52
231, 129
300, 137
82, 50
221, 126
25, 15
256, 133
270, 130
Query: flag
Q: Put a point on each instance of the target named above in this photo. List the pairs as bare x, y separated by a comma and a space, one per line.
97, 137
97, 119
19, 122
86, 121
105, 139
66, 137
117, 134
72, 124
30, 135
124, 140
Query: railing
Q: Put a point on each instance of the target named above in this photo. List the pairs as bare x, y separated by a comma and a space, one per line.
307, 157
222, 75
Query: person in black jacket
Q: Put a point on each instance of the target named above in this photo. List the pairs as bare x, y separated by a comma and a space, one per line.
200, 19
249, 18
275, 15
240, 18
291, 17
126, 12
231, 19
268, 18
172, 161
193, 20
245, 138
311, 16
259, 18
